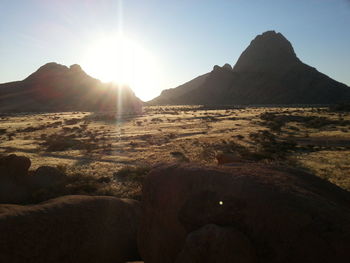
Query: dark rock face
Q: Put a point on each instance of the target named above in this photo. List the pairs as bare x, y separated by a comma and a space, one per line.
16, 183
13, 165
54, 87
272, 214
70, 229
267, 72
46, 176
268, 52
213, 243
177, 95
14, 179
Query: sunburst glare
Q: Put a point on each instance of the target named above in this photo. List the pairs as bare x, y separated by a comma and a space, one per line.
119, 59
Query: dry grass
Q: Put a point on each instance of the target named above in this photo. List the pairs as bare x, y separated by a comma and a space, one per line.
93, 146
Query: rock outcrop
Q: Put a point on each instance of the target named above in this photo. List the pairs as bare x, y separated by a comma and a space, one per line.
17, 184
267, 72
14, 179
13, 165
46, 176
70, 229
242, 213
213, 243
54, 87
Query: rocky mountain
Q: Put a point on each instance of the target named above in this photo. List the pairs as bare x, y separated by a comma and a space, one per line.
54, 87
267, 72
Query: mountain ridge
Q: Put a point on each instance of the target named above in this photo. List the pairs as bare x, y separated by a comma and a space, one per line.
267, 72
56, 87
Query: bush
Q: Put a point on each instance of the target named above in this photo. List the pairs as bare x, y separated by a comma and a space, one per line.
268, 146
180, 156
340, 107
58, 142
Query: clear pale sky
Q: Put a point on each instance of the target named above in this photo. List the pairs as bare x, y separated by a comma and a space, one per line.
186, 38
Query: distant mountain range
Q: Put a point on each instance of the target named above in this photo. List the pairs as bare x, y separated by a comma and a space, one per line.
54, 87
267, 72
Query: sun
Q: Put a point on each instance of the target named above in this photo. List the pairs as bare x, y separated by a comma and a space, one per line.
120, 60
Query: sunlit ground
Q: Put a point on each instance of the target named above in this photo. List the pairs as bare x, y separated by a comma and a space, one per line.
99, 146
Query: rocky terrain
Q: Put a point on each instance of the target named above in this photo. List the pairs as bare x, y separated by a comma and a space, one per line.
268, 72
54, 87
239, 212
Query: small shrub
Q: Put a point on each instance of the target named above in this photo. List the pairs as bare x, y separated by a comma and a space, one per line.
58, 142
180, 156
72, 121
269, 146
343, 107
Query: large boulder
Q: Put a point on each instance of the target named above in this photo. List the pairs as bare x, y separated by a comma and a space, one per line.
46, 176
279, 214
17, 184
13, 165
14, 179
212, 243
70, 229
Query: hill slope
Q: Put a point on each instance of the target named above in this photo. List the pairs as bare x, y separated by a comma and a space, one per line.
267, 72
54, 87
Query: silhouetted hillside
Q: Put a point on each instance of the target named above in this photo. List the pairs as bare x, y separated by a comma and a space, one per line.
267, 72
54, 87
169, 96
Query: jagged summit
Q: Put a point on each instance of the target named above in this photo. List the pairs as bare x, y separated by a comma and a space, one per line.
224, 67
267, 52
75, 67
267, 72
53, 66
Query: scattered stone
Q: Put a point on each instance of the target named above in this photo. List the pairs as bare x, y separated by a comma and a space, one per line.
224, 158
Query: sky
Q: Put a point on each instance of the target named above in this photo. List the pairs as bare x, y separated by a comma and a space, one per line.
178, 40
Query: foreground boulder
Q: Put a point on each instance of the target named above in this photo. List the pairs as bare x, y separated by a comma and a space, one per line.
13, 165
46, 176
244, 213
212, 243
70, 229
17, 184
14, 179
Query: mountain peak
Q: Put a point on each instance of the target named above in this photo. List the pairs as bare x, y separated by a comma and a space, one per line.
52, 66
57, 87
267, 72
270, 33
269, 51
224, 67
75, 67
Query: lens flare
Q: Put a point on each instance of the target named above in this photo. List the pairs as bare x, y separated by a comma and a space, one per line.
120, 60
